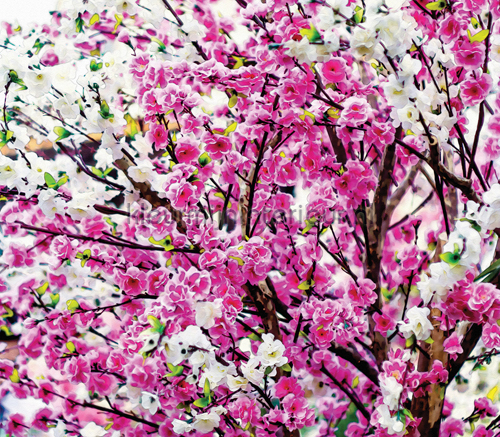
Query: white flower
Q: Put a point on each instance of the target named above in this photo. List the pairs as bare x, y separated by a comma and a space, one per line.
181, 427
408, 68
207, 312
198, 358
392, 424
143, 171
236, 382
150, 402
206, 422
50, 203
68, 109
192, 28
81, 206
302, 50
38, 82
391, 391
92, 430
150, 342
252, 372
271, 352
417, 324
397, 94
364, 41
141, 145
38, 168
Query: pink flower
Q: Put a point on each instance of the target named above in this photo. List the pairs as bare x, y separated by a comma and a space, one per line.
187, 151
379, 134
116, 361
297, 408
212, 258
334, 70
450, 28
17, 255
182, 194
468, 55
356, 111
481, 431
61, 247
452, 427
475, 88
453, 346
482, 297
383, 323
157, 281
133, 281
217, 146
484, 407
139, 64
49, 58
491, 335
287, 385
16, 427
245, 409
157, 135
78, 370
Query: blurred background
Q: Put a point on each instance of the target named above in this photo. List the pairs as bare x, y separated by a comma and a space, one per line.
26, 11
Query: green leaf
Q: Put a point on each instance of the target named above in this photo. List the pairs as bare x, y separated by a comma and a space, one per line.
254, 337
119, 19
104, 112
202, 402
156, 324
72, 305
489, 273
175, 370
307, 114
306, 285
309, 225
358, 16
355, 382
230, 128
204, 159
61, 181
71, 347
79, 23
97, 172
408, 414
49, 180
206, 388
94, 19
451, 258
94, 66
162, 47
54, 299
429, 340
286, 367
240, 62
61, 133
42, 289
240, 261
473, 224
232, 101
268, 370
312, 34
478, 37
436, 6
15, 376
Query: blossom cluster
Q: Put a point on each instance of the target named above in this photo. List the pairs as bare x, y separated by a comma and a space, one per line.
380, 119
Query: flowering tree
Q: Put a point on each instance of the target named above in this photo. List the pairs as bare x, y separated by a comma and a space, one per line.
252, 218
